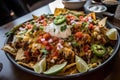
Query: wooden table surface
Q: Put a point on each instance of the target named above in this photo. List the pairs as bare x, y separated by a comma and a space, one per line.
11, 72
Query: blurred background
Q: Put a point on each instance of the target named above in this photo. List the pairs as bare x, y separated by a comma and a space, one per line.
12, 9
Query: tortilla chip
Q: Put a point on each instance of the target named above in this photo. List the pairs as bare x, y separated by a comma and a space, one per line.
9, 49
59, 11
35, 17
77, 13
93, 16
29, 65
103, 21
20, 55
72, 70
68, 67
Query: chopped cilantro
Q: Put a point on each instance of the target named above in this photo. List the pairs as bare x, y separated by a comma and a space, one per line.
32, 22
110, 50
73, 24
22, 32
75, 44
54, 30
34, 27
13, 30
44, 51
8, 33
94, 59
84, 24
41, 27
63, 28
70, 38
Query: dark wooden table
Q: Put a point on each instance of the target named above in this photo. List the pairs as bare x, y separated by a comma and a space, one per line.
11, 72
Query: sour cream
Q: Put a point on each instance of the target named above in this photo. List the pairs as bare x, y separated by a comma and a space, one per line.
55, 30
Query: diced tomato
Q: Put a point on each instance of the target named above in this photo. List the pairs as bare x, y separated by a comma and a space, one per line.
36, 53
44, 23
71, 17
26, 53
61, 41
54, 39
91, 26
45, 43
49, 47
29, 26
86, 48
86, 20
78, 25
54, 54
41, 17
39, 39
43, 20
78, 35
46, 36
81, 17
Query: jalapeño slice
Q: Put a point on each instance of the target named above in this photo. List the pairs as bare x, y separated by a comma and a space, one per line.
59, 20
98, 50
